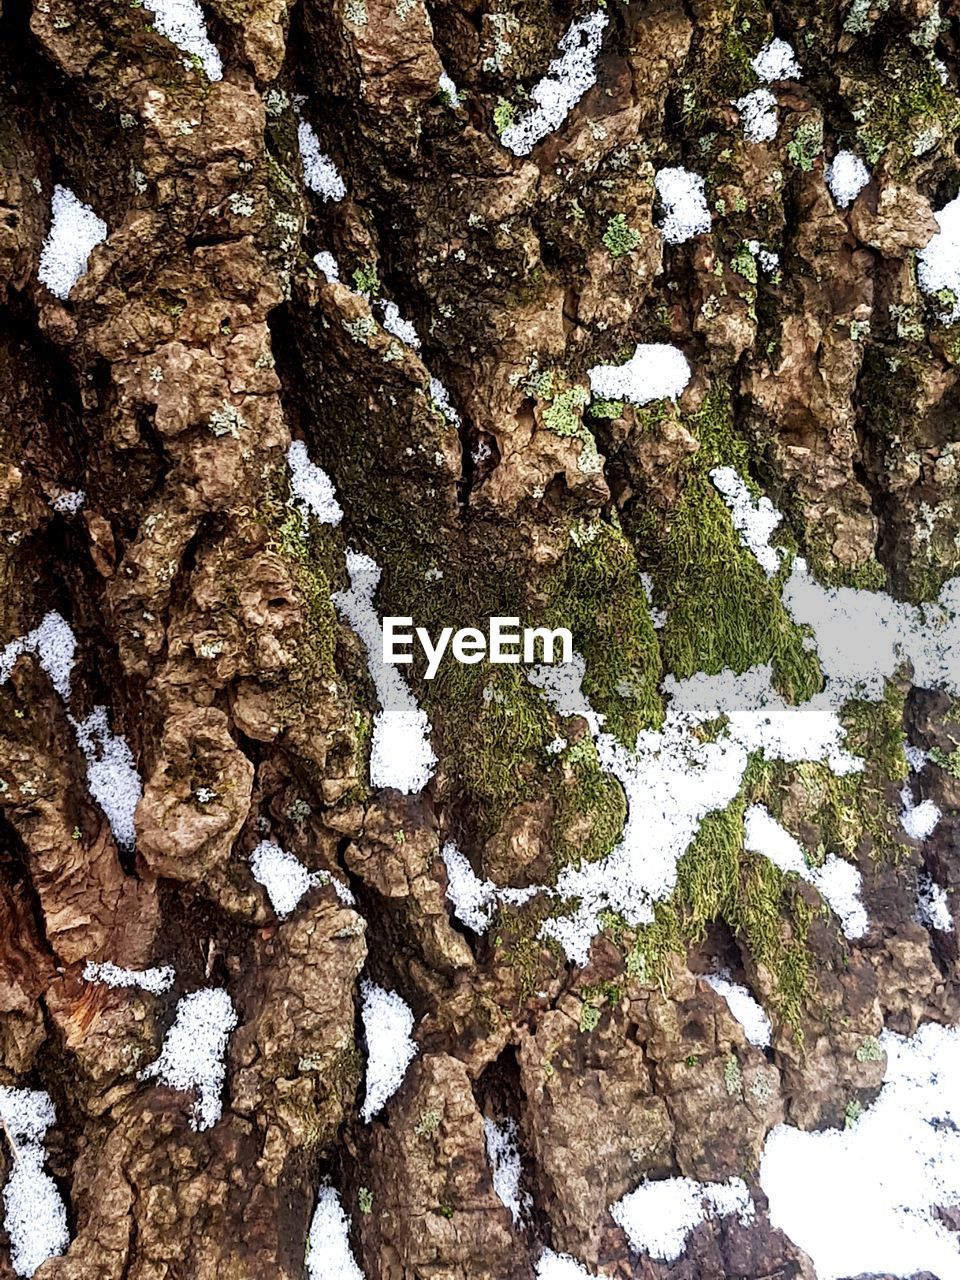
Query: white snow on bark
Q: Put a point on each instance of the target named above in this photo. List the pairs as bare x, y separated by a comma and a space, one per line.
655, 371
329, 1256
447, 86
862, 1200
155, 981
475, 900
755, 519
395, 324
75, 231
35, 1216
751, 1015
776, 61
284, 877
400, 753
560, 1266
192, 1057
684, 200
503, 1153
918, 820
846, 176
387, 1023
938, 263
55, 647
183, 24
758, 114
659, 1216
441, 399
319, 172
567, 80
69, 502
311, 488
837, 881
111, 774
326, 264
933, 907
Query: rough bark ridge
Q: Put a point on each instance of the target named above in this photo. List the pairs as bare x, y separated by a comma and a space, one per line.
167, 387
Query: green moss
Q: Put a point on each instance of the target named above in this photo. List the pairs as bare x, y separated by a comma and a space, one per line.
732, 1076
596, 591
564, 416
729, 36
620, 239
589, 1017
948, 761
745, 264
516, 935
312, 552
504, 115
718, 880
870, 1050
851, 814
903, 106
590, 807
605, 409
723, 611
502, 729
806, 144
366, 280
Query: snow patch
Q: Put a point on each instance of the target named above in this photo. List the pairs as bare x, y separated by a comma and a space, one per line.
863, 1200
394, 323
655, 371
441, 399
329, 1256
562, 685
758, 114
751, 1015
75, 231
450, 89
474, 900
69, 502
755, 519
684, 200
183, 24
568, 79
659, 1216
326, 264
311, 488
111, 774
846, 176
503, 1153
35, 1216
319, 172
776, 61
193, 1052
155, 981
938, 264
838, 882
918, 820
933, 907
560, 1266
387, 1023
55, 647
400, 753
284, 877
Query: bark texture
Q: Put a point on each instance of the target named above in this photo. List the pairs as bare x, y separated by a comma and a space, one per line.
167, 387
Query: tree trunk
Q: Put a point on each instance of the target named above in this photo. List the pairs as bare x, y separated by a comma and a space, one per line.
532, 369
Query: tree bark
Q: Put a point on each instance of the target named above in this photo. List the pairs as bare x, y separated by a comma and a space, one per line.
470, 462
